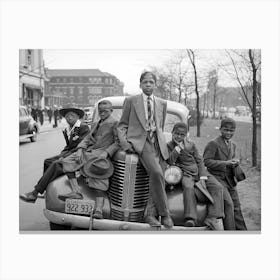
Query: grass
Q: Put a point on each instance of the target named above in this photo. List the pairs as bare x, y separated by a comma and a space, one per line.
249, 190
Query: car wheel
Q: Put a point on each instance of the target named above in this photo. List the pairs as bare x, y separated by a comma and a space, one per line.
54, 226
34, 137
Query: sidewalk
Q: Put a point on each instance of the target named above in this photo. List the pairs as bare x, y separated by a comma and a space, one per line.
49, 126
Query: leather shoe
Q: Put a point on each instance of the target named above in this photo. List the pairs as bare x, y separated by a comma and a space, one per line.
71, 195
98, 215
189, 223
29, 197
167, 221
214, 223
152, 221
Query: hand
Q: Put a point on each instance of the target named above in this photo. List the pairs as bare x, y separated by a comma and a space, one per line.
103, 155
130, 150
202, 181
79, 155
232, 163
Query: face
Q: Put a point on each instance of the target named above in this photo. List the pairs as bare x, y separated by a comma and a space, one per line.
148, 84
179, 134
104, 111
227, 131
71, 118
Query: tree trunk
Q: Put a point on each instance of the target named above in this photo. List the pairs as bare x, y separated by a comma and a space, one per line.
254, 111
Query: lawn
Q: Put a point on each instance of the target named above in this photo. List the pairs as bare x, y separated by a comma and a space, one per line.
250, 189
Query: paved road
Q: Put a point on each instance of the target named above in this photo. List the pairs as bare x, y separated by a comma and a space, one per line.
31, 158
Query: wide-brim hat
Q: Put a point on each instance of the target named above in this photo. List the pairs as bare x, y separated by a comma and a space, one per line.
78, 111
99, 168
173, 175
202, 193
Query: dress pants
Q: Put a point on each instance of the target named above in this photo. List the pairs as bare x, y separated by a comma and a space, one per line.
215, 210
54, 171
231, 199
150, 158
49, 161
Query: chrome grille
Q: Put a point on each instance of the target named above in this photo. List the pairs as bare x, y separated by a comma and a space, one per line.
129, 188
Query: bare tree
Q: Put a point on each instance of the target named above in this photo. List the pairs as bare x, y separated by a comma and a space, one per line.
246, 66
191, 55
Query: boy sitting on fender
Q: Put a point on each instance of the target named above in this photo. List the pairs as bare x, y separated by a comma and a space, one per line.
184, 154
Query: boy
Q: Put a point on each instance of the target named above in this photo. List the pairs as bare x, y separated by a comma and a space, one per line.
74, 133
184, 154
219, 158
140, 131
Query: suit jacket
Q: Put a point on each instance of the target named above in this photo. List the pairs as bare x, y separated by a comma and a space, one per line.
189, 160
102, 137
132, 128
215, 155
78, 134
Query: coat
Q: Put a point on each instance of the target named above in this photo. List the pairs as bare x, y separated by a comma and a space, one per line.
215, 155
102, 137
76, 137
132, 125
189, 160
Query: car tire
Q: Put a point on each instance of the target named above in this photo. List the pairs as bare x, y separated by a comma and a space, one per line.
34, 137
54, 226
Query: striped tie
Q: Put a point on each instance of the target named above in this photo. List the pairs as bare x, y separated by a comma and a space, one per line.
150, 118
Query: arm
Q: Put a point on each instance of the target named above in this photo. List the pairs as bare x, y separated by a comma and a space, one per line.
83, 132
209, 158
198, 158
115, 146
174, 152
123, 126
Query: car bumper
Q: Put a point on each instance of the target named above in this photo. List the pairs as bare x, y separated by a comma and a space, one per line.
106, 224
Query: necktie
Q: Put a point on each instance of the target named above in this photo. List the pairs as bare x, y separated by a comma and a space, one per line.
149, 108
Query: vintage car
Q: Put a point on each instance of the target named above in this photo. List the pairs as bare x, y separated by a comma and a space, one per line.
28, 128
128, 193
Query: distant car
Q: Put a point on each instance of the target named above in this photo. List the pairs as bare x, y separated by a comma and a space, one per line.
88, 114
28, 128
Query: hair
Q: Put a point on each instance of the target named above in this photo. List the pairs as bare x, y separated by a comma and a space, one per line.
105, 102
226, 121
180, 125
145, 73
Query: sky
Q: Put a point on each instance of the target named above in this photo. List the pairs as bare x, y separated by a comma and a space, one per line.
126, 65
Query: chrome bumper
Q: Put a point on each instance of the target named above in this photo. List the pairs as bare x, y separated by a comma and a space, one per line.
106, 224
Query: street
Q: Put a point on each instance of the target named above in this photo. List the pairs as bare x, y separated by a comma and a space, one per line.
31, 158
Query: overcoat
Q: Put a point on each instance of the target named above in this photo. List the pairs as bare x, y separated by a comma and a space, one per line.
132, 128
102, 137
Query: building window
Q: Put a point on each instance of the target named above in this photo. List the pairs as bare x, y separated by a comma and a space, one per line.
29, 57
71, 80
64, 80
71, 91
80, 90
106, 81
57, 80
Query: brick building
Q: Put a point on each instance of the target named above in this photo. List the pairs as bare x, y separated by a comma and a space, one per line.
82, 87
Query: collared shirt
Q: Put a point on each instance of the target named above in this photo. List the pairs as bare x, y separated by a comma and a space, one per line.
69, 129
145, 100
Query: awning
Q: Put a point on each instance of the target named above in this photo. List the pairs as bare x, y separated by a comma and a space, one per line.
33, 86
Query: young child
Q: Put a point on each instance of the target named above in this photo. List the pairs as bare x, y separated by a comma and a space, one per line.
219, 158
184, 154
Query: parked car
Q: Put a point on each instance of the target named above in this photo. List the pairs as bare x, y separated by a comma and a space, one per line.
88, 114
28, 128
128, 193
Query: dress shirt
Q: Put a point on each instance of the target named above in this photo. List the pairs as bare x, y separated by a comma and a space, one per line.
69, 129
145, 100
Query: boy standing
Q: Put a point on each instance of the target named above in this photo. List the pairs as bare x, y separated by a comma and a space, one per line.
219, 158
140, 131
184, 154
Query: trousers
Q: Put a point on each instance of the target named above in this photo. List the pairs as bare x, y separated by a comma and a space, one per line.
215, 210
151, 158
232, 201
54, 171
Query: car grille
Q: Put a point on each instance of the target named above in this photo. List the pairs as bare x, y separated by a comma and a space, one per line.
129, 189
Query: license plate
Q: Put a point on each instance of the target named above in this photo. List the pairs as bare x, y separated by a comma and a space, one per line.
78, 206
